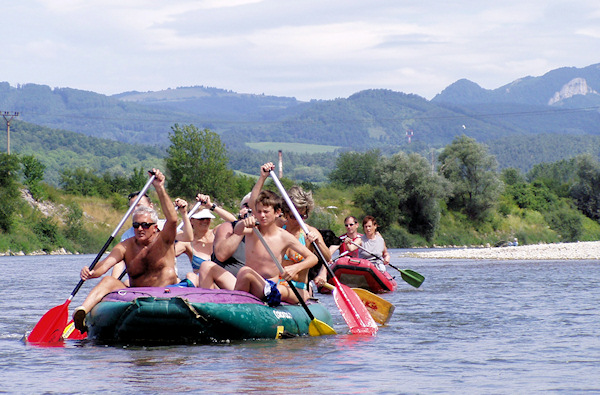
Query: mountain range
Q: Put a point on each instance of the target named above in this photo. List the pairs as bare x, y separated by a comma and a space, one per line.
563, 103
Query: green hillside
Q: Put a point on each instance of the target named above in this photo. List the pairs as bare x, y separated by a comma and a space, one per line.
60, 149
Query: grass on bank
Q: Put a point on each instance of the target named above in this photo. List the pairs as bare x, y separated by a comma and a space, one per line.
83, 224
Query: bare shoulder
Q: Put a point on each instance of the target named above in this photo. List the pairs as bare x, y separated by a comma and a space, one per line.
224, 228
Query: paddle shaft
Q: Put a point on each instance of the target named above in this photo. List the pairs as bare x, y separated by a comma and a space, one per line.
114, 233
368, 252
291, 285
413, 278
337, 283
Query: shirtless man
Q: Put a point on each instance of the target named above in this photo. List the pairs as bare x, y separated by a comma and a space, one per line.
186, 233
260, 276
149, 256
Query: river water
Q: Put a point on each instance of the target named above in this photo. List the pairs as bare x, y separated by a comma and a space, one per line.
473, 327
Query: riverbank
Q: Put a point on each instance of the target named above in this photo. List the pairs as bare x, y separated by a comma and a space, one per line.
557, 251
60, 251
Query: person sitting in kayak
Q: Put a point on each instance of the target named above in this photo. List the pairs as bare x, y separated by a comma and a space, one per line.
149, 256
304, 203
199, 250
260, 276
373, 242
351, 236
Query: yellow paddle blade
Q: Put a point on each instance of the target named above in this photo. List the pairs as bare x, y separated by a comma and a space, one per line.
319, 328
380, 309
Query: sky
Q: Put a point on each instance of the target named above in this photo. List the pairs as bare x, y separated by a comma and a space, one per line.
308, 49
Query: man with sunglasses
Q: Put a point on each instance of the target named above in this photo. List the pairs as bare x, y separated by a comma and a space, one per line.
351, 235
186, 233
149, 256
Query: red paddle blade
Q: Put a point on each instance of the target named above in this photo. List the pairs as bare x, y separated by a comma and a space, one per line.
353, 310
50, 327
72, 333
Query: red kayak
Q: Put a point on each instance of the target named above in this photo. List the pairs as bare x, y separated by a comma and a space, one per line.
362, 273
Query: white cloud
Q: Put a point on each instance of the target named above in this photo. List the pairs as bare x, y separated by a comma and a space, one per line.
304, 48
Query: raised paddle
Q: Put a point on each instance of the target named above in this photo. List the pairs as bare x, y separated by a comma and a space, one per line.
410, 276
51, 326
316, 327
351, 307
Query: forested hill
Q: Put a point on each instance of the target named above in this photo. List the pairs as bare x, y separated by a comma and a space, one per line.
530, 120
368, 119
91, 113
60, 150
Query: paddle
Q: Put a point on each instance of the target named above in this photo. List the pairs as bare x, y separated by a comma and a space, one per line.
51, 326
316, 327
410, 276
380, 309
351, 307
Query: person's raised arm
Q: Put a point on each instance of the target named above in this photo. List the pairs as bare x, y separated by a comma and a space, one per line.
220, 211
265, 171
187, 232
170, 229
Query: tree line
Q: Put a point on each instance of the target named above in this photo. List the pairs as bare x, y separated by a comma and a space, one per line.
408, 194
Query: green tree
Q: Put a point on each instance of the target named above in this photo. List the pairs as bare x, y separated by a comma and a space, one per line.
197, 162
138, 179
33, 169
82, 181
33, 174
586, 191
355, 168
472, 172
9, 191
379, 202
410, 178
511, 176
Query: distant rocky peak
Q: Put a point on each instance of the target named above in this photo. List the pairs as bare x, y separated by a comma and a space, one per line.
577, 86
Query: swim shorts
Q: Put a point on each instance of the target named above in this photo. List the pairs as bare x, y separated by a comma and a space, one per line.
272, 294
185, 283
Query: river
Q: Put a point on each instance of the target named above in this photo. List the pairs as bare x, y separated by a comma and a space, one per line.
474, 326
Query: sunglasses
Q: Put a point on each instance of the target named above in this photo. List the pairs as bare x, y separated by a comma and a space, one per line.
350, 224
144, 225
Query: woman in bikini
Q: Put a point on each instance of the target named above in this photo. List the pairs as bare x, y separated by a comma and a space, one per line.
200, 249
304, 203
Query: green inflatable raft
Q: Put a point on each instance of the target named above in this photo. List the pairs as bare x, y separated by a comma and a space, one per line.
194, 315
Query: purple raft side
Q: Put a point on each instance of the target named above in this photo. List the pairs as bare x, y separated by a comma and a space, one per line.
193, 295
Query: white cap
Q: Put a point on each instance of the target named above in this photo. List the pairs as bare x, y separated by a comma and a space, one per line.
245, 199
204, 213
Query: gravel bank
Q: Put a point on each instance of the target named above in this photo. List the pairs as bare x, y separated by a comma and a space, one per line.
558, 251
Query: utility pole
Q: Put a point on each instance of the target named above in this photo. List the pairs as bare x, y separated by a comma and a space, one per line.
8, 116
